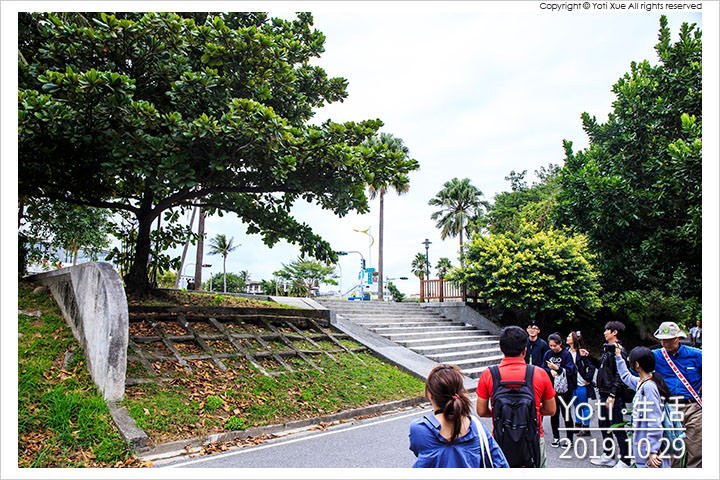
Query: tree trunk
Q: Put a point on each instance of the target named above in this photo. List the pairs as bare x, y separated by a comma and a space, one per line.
199, 253
462, 264
224, 281
136, 280
380, 247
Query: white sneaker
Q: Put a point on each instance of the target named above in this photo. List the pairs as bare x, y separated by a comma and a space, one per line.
621, 464
604, 461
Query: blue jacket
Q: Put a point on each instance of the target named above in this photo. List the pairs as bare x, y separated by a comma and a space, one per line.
689, 362
433, 450
564, 359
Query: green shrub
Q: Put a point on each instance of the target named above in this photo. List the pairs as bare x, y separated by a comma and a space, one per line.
213, 403
533, 272
235, 423
397, 295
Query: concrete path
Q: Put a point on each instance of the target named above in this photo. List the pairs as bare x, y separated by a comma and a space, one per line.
380, 442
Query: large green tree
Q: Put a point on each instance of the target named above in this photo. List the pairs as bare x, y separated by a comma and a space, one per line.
459, 203
229, 282
50, 228
529, 203
636, 190
145, 112
307, 273
532, 272
395, 145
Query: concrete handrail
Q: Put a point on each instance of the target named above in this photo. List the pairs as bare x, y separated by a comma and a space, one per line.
92, 300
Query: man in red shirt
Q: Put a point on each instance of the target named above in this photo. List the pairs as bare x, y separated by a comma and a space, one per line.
513, 343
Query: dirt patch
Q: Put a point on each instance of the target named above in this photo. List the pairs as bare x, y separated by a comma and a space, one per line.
204, 299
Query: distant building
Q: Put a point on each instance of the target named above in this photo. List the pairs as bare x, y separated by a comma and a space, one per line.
254, 288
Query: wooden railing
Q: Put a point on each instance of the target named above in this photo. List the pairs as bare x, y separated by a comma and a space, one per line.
441, 290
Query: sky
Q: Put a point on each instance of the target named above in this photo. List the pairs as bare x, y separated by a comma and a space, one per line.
474, 91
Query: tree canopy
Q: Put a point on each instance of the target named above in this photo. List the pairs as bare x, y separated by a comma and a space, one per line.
308, 274
50, 228
636, 191
145, 112
418, 267
532, 272
227, 282
532, 204
459, 204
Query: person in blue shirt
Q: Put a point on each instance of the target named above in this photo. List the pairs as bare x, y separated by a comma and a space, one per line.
450, 437
688, 361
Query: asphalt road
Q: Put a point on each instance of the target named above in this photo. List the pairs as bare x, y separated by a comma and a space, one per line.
379, 442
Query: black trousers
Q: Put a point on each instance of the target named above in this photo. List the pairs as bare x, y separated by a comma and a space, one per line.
561, 400
608, 418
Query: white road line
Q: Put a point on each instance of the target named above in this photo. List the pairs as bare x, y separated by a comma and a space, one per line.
287, 442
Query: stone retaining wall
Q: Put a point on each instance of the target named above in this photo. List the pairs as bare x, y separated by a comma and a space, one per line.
92, 300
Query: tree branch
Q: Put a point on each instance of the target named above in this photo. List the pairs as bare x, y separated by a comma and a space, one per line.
92, 203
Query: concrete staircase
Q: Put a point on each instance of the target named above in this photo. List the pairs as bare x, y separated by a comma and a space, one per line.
425, 332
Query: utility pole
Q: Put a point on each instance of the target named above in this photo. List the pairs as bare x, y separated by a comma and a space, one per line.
199, 254
380, 249
185, 249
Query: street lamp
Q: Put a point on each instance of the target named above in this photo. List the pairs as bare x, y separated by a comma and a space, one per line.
427, 258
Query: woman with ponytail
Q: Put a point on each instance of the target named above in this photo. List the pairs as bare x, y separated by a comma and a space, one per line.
450, 437
650, 394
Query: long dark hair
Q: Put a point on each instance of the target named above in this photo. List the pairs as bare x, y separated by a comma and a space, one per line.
646, 360
446, 387
577, 340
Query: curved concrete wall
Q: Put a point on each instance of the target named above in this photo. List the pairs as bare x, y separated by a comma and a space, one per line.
92, 299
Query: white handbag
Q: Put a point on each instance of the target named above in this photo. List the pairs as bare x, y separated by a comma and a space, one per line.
484, 444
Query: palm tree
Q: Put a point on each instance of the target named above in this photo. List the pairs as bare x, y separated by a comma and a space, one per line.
220, 245
443, 266
418, 265
394, 145
459, 202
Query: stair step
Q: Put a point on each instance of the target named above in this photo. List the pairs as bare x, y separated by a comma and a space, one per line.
472, 363
439, 341
381, 324
477, 371
464, 355
440, 336
392, 331
435, 349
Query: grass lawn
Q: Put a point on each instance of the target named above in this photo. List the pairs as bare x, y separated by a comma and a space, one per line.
62, 419
209, 401
64, 422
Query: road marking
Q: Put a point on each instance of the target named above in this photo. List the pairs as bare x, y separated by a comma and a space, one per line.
287, 442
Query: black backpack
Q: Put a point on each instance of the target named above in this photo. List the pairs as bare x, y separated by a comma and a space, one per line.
515, 425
